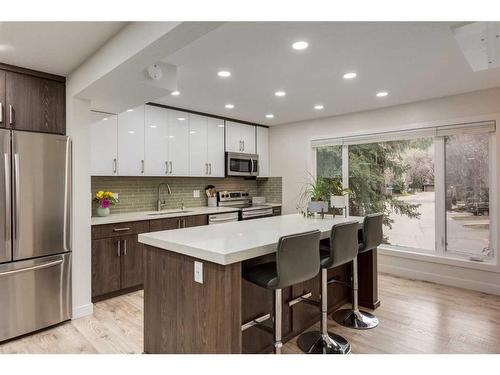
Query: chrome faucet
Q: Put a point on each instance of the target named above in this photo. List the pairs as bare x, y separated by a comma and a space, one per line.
162, 203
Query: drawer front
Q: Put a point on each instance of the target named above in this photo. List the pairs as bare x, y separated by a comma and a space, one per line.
119, 229
165, 224
276, 211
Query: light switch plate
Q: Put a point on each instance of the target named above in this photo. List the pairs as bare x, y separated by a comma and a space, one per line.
196, 193
198, 272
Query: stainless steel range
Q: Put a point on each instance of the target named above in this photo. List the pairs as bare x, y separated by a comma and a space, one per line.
241, 199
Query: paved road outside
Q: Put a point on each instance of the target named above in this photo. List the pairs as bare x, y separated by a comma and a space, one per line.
466, 233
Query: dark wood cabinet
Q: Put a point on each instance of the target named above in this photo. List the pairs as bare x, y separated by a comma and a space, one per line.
195, 221
105, 266
131, 262
2, 100
35, 104
178, 222
277, 211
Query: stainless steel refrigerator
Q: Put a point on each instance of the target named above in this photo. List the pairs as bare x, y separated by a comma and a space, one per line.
35, 250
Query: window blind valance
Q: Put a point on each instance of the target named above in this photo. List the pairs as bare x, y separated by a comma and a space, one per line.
438, 131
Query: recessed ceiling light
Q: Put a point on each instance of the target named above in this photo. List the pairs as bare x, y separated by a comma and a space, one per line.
381, 94
280, 93
192, 132
224, 74
319, 107
229, 106
5, 47
180, 118
175, 93
153, 126
300, 45
105, 119
269, 115
350, 75
131, 132
171, 136
129, 110
220, 125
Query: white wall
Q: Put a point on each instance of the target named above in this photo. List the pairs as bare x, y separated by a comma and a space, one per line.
291, 157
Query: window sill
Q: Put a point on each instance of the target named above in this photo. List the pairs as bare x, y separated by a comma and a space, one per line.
490, 266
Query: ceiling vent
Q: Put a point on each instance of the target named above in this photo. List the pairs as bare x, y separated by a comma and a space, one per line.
480, 44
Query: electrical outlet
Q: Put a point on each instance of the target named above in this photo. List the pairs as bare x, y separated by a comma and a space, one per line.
198, 272
196, 193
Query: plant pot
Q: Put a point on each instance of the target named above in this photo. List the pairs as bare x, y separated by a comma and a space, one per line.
101, 211
317, 207
337, 201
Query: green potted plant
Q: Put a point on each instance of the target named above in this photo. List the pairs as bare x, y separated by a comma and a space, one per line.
104, 199
338, 194
317, 191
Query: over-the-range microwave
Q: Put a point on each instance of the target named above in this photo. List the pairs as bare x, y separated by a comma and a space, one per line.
243, 165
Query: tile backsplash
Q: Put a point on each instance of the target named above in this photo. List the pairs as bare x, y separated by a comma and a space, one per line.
140, 193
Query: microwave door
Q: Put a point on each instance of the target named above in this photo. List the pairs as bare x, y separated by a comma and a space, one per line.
5, 198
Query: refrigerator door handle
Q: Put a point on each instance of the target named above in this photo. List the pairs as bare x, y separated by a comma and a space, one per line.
8, 213
67, 198
32, 268
17, 194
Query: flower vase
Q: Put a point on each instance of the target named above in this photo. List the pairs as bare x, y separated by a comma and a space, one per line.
101, 211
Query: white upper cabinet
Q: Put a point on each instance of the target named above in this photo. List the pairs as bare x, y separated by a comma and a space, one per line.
240, 137
103, 146
263, 150
156, 141
198, 164
215, 146
131, 142
178, 143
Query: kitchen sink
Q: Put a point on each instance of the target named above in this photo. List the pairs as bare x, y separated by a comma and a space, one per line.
169, 212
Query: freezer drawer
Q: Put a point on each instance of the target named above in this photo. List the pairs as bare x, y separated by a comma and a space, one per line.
34, 294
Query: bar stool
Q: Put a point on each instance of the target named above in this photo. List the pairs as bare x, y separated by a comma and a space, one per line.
297, 260
371, 239
343, 249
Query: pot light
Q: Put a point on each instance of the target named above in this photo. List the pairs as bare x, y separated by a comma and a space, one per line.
131, 132
229, 106
105, 119
129, 110
280, 93
300, 45
224, 74
350, 75
175, 93
192, 132
153, 126
319, 107
269, 115
171, 136
220, 125
181, 118
381, 94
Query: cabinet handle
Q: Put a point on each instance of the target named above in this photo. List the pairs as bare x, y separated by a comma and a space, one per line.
184, 223
206, 168
179, 223
124, 247
114, 165
120, 229
1, 112
243, 145
12, 120
118, 248
210, 165
142, 166
166, 167
170, 167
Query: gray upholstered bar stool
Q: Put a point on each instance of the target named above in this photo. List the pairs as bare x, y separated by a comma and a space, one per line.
372, 236
297, 260
343, 249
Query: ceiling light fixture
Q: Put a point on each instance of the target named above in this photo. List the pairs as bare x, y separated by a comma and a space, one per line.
229, 106
105, 119
129, 110
382, 94
319, 107
175, 93
300, 45
224, 74
269, 115
131, 132
220, 125
350, 75
180, 118
280, 93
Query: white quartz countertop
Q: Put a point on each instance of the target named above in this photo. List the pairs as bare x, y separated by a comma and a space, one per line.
151, 215
238, 241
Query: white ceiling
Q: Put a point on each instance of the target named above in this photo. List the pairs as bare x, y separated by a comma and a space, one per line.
412, 61
53, 47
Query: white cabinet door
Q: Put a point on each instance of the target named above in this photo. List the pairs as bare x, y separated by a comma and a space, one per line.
215, 146
156, 141
131, 142
103, 146
198, 164
233, 137
178, 143
263, 150
248, 138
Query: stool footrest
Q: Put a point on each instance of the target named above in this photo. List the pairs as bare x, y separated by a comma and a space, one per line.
333, 280
257, 322
303, 298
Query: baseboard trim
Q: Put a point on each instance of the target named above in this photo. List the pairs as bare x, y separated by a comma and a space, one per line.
81, 311
439, 278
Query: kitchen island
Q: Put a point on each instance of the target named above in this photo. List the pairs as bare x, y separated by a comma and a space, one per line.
195, 300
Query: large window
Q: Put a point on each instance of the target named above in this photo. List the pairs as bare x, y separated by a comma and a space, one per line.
433, 189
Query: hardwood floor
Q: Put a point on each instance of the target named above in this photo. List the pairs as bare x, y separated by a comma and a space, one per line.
415, 317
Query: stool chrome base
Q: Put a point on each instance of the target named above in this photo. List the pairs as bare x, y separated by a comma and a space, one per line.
315, 343
357, 320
